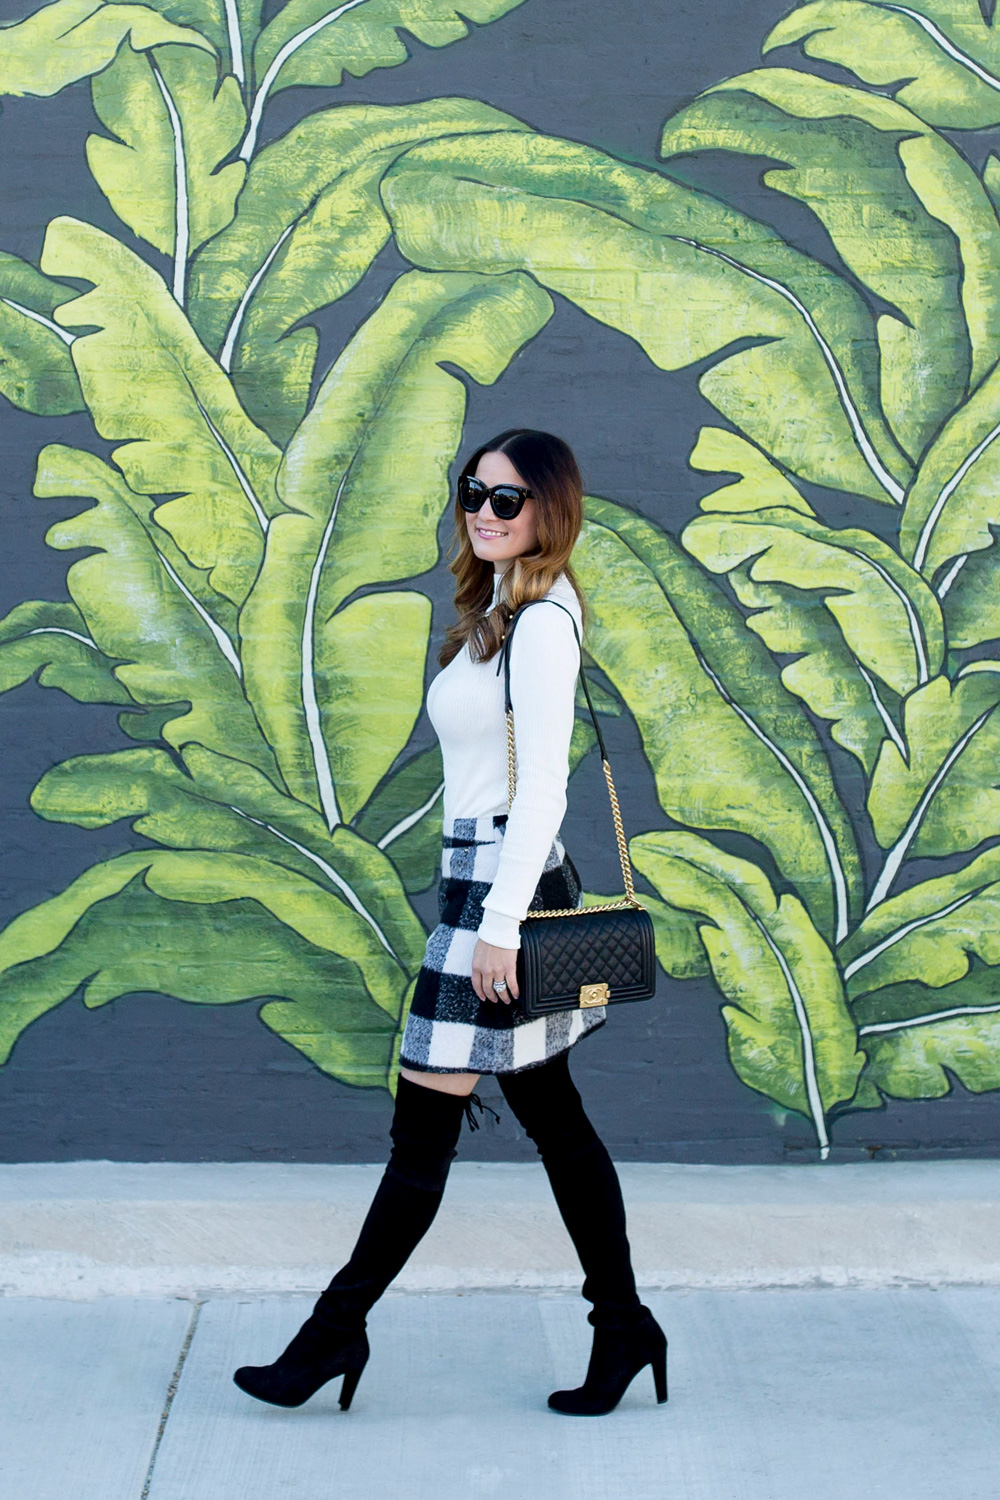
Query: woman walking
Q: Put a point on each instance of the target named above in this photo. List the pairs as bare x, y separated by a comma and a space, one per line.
518, 514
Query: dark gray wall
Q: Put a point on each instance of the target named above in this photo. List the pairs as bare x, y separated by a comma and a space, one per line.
148, 1078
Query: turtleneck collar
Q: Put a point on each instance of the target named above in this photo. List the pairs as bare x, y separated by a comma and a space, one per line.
497, 580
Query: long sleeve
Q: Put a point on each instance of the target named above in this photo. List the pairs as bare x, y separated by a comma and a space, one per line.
544, 663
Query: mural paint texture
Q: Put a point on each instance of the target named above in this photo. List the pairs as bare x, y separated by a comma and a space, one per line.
242, 603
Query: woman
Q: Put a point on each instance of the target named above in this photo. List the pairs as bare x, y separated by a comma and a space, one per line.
518, 515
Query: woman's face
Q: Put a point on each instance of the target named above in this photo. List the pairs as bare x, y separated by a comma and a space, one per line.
499, 542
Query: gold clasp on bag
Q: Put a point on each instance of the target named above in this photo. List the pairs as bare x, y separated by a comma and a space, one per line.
593, 994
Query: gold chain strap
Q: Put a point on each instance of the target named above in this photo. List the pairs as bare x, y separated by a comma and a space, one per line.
626, 863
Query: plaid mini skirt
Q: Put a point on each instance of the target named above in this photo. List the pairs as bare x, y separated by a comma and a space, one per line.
449, 1029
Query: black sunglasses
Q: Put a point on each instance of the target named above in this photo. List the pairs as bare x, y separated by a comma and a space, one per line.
505, 499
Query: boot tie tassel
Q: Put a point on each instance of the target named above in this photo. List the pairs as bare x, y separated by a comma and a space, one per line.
474, 1099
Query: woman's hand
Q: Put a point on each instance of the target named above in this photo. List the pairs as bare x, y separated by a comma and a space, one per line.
489, 963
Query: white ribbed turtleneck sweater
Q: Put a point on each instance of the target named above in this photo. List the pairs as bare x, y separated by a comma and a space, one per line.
465, 705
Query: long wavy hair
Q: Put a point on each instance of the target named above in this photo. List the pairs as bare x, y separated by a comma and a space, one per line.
549, 469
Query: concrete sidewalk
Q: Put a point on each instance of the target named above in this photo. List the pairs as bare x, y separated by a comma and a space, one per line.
782, 1395
88, 1229
833, 1330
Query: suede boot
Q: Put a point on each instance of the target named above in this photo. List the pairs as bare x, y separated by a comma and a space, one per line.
332, 1341
588, 1194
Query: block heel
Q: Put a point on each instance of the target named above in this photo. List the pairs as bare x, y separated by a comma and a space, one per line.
315, 1355
617, 1357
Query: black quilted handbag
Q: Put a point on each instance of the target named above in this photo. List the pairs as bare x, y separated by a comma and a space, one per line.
589, 955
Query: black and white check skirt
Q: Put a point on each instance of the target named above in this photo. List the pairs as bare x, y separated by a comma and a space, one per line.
449, 1029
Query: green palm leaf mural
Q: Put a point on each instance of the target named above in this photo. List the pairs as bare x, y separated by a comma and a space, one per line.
791, 1035
73, 39
518, 201
945, 57
833, 143
175, 123
36, 370
711, 708
817, 695
310, 222
314, 42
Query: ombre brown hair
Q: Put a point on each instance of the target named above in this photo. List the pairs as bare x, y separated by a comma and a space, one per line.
550, 471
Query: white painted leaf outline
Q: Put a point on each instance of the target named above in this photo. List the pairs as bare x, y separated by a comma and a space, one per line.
222, 640
74, 635
277, 63
239, 472
841, 904
898, 852
800, 1010
953, 1013
405, 824
862, 441
882, 946
37, 317
945, 494
809, 1068
913, 620
881, 710
310, 701
342, 885
944, 42
235, 39
236, 322
182, 229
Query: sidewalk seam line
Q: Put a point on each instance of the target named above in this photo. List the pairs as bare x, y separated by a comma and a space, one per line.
171, 1393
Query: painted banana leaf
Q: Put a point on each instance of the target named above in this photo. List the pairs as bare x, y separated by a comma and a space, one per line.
212, 802
140, 616
712, 711
314, 42
230, 26
168, 110
821, 669
953, 501
971, 600
73, 39
905, 212
918, 1039
794, 622
929, 934
151, 386
790, 1033
759, 483
50, 642
890, 619
938, 795
944, 55
387, 421
682, 274
404, 817
36, 370
213, 929
309, 224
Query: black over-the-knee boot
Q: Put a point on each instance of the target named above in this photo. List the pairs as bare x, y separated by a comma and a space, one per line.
585, 1184
332, 1341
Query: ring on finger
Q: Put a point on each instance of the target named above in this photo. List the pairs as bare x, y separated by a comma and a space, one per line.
499, 985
